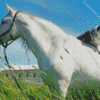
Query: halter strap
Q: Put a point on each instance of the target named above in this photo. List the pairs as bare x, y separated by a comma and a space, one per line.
6, 44
10, 26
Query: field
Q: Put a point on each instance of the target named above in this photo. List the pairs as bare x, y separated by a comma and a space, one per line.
19, 90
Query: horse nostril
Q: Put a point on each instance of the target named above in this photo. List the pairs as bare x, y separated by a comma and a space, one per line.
98, 28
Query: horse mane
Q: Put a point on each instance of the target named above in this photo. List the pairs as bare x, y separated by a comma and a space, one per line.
20, 40
44, 22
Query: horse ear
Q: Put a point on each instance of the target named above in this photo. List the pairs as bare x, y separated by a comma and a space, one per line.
9, 8
14, 9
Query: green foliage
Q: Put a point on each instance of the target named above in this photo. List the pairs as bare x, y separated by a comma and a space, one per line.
84, 94
19, 90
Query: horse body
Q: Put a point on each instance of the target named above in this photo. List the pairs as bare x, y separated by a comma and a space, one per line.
47, 48
59, 55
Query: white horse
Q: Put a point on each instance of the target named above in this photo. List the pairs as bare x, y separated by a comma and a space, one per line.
65, 61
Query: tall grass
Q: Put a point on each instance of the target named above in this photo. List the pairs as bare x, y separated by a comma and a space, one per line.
11, 90
17, 89
20, 90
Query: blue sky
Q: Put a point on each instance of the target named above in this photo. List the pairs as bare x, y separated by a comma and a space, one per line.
73, 16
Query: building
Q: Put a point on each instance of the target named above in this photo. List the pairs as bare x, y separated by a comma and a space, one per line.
28, 73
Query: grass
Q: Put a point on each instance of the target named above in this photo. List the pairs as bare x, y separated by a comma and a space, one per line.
86, 94
19, 90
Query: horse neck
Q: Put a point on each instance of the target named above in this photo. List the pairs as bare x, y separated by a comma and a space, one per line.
41, 36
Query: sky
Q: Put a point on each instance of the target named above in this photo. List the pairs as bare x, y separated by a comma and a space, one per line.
73, 16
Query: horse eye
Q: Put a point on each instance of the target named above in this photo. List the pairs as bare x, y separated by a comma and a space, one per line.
3, 22
98, 28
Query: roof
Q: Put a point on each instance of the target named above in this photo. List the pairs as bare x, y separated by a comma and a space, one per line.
20, 67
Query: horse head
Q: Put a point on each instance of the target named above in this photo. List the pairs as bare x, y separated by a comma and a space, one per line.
91, 37
8, 28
